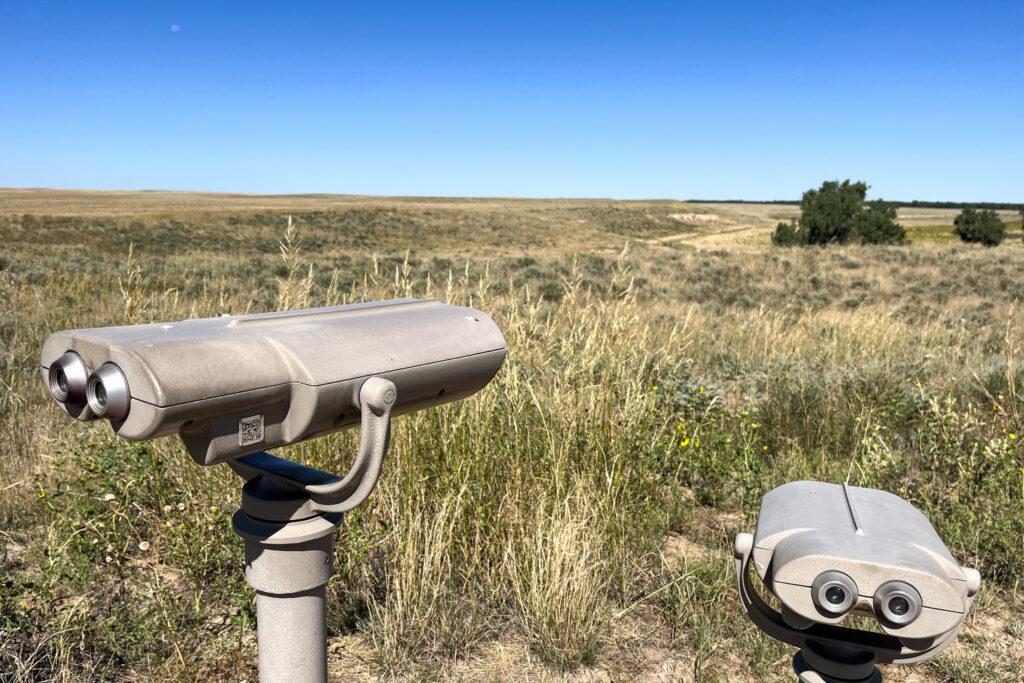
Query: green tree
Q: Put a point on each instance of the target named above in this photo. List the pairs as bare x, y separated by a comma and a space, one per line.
876, 224
982, 226
835, 213
828, 214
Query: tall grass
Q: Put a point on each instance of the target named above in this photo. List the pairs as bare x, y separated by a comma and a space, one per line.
534, 512
557, 576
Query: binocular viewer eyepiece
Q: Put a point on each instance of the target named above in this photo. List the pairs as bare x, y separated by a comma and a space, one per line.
834, 593
85, 395
67, 378
107, 393
895, 603
828, 550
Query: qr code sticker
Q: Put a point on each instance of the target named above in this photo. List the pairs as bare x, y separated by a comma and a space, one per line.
250, 430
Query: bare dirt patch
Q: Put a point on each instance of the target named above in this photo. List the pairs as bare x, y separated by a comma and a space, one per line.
694, 218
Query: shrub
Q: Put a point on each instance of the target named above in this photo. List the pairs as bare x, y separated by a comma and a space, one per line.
979, 225
787, 235
876, 224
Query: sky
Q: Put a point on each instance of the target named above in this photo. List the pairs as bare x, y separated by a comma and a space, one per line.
677, 100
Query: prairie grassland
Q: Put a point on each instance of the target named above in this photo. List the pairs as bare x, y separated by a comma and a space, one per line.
572, 521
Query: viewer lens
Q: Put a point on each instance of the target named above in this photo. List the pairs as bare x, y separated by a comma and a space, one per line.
61, 379
108, 393
899, 606
101, 394
67, 379
835, 595
897, 603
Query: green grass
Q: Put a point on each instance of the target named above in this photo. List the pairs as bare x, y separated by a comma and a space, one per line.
940, 233
649, 393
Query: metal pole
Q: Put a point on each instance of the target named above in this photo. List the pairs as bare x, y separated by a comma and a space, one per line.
287, 562
291, 632
288, 518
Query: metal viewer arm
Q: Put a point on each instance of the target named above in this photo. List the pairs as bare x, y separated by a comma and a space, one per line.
329, 492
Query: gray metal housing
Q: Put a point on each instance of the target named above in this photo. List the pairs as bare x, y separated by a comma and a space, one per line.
236, 385
808, 528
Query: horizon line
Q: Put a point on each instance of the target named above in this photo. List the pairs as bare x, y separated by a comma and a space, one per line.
949, 202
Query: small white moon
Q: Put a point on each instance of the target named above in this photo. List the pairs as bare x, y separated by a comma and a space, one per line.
175, 28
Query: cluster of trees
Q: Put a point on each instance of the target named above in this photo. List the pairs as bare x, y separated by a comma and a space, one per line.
836, 213
998, 206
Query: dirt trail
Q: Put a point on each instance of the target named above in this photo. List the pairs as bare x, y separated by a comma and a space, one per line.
738, 236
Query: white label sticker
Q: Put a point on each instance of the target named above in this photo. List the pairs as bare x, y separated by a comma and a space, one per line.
250, 430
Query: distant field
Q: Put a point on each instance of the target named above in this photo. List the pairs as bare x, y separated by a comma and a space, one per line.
575, 221
667, 367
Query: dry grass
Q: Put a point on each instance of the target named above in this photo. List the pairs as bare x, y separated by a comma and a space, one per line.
423, 614
558, 575
652, 392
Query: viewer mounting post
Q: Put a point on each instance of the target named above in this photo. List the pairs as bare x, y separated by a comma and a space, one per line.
288, 518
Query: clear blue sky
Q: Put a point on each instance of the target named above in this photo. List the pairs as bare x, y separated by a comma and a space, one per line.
589, 99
